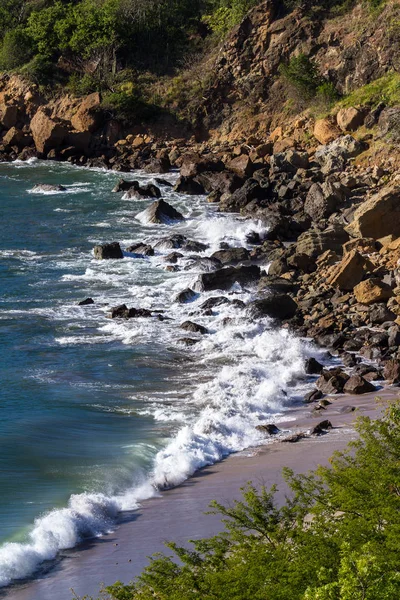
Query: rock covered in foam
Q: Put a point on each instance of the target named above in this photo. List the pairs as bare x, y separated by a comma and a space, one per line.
48, 188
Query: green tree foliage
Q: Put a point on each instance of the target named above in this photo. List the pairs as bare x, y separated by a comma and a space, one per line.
335, 538
225, 14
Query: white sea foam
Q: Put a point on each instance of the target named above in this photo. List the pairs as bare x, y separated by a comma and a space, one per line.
245, 372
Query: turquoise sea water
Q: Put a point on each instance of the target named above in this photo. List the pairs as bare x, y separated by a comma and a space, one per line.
96, 414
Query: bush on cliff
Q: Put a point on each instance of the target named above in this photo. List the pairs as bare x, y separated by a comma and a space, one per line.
335, 538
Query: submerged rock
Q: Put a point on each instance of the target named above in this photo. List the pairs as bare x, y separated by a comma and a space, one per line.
123, 312
186, 295
46, 187
194, 327
223, 279
86, 302
141, 249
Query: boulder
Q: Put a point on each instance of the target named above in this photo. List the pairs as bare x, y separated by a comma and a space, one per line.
276, 306
391, 371
332, 381
251, 190
141, 249
349, 272
48, 188
378, 216
219, 182
389, 122
188, 185
241, 165
350, 119
193, 164
47, 133
325, 131
203, 265
232, 256
194, 327
13, 137
358, 385
379, 314
372, 290
86, 302
186, 295
338, 151
321, 428
8, 115
323, 200
313, 396
313, 367
224, 279
123, 312
158, 165
88, 115
162, 212
269, 428
315, 243
108, 251
289, 161
148, 191
180, 241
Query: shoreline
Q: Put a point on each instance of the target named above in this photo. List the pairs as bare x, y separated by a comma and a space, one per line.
178, 514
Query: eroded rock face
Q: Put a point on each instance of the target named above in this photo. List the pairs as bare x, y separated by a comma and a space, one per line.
378, 216
47, 133
315, 243
88, 115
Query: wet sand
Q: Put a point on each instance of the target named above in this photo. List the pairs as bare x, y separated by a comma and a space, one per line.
178, 514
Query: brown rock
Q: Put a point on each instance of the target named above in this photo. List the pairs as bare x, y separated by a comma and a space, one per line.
349, 272
326, 131
378, 216
349, 119
392, 371
87, 116
372, 290
13, 137
47, 133
241, 165
8, 115
358, 385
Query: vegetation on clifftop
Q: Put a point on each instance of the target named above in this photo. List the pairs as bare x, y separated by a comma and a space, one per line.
335, 538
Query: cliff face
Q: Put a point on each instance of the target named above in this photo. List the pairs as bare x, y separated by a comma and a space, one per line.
350, 51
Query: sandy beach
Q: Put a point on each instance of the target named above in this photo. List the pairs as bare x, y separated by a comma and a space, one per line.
178, 514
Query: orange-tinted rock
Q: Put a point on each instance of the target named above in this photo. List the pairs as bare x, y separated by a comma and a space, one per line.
47, 133
87, 116
326, 131
372, 290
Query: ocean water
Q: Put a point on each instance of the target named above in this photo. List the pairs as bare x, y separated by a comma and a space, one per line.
98, 414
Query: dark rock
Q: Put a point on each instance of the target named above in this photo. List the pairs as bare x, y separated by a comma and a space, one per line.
213, 302
225, 278
188, 185
358, 385
394, 336
313, 367
162, 212
141, 249
380, 313
295, 437
251, 190
124, 186
332, 381
321, 428
186, 295
86, 302
323, 200
123, 312
158, 165
315, 243
349, 360
232, 256
391, 371
389, 122
204, 265
108, 251
194, 327
173, 257
276, 306
164, 182
188, 341
276, 284
269, 428
289, 161
313, 396
148, 191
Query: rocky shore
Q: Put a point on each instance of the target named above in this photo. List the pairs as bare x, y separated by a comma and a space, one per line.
329, 202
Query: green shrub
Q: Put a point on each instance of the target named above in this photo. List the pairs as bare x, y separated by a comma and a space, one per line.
41, 70
226, 14
16, 49
336, 537
302, 74
129, 106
